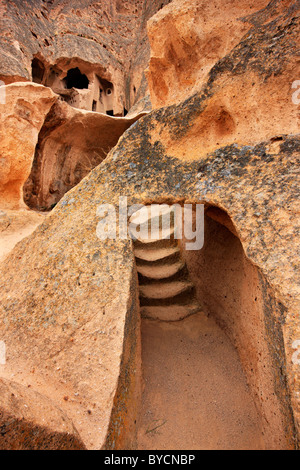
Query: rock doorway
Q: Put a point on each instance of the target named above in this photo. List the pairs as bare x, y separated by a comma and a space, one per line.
200, 391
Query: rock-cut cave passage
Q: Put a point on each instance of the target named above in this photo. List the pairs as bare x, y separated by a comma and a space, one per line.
207, 378
195, 394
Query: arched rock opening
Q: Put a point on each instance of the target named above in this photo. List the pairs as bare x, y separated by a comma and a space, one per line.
215, 376
81, 86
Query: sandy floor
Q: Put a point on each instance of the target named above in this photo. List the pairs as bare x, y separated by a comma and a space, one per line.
16, 225
195, 395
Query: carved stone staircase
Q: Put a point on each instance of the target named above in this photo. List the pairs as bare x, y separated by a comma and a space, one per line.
166, 292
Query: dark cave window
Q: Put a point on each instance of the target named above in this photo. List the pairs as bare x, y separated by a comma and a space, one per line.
76, 79
106, 87
125, 112
38, 71
110, 112
94, 106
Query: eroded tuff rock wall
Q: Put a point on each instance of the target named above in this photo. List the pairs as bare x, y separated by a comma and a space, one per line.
93, 56
107, 37
189, 36
47, 146
69, 308
21, 119
71, 143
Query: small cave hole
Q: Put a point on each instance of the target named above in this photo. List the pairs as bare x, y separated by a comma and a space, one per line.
75, 79
276, 139
38, 71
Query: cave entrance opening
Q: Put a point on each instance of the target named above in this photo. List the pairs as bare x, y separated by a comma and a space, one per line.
38, 71
208, 373
76, 79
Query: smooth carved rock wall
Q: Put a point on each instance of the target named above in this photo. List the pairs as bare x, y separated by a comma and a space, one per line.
236, 294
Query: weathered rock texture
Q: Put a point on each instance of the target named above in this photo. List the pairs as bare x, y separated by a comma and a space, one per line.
247, 95
92, 56
71, 143
188, 37
16, 225
49, 145
21, 119
22, 421
69, 313
106, 38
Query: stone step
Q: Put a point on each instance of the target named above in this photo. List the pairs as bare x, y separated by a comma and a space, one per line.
152, 213
149, 254
161, 271
170, 312
164, 234
159, 290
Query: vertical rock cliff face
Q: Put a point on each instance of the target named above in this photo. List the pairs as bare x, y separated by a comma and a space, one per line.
51, 42
93, 56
